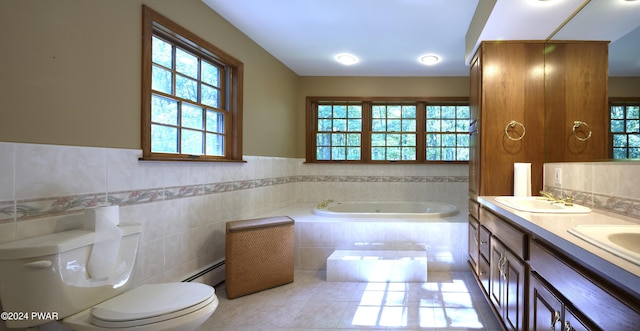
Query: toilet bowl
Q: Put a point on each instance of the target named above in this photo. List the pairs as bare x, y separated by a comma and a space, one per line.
172, 306
50, 273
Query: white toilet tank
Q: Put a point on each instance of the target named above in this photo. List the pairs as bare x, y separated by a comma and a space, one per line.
46, 277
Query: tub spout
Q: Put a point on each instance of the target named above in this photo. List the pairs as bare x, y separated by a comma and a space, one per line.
324, 203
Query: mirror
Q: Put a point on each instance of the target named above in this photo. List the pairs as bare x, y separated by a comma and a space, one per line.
614, 20
617, 21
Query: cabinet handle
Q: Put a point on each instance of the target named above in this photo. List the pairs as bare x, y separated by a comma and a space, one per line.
555, 319
568, 327
483, 243
501, 263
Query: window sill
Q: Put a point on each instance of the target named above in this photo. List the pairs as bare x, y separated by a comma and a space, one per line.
189, 159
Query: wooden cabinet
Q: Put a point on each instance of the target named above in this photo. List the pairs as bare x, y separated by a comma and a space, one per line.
532, 285
507, 84
508, 271
548, 312
507, 286
524, 100
576, 90
585, 301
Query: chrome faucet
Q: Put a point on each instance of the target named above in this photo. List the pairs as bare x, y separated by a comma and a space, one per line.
567, 201
324, 203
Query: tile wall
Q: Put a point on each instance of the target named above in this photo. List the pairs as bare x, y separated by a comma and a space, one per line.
608, 186
183, 206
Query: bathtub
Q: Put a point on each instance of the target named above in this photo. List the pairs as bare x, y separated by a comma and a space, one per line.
445, 239
400, 209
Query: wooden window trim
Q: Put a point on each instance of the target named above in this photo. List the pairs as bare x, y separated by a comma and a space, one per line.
151, 21
367, 102
617, 101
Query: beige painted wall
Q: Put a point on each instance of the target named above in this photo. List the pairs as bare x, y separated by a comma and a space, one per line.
624, 87
70, 73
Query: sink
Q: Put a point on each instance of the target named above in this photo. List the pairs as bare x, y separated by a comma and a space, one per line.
621, 240
540, 205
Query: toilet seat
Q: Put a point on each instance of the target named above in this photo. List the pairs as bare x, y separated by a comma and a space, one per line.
151, 303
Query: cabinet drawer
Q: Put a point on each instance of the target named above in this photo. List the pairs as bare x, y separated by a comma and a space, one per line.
484, 244
516, 240
474, 209
591, 297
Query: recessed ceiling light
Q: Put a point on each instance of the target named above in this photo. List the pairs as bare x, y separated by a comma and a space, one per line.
347, 59
429, 59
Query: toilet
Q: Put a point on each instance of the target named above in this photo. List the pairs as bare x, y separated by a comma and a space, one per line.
48, 279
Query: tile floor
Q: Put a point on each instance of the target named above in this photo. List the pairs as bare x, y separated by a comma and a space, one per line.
447, 301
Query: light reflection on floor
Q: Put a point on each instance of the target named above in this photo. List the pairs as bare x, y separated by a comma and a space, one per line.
444, 305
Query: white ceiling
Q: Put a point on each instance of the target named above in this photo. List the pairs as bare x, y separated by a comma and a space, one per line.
389, 36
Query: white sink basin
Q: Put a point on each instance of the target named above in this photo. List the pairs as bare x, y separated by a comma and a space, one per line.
540, 205
621, 240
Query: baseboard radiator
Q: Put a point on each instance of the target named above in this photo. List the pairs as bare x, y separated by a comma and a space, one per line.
213, 274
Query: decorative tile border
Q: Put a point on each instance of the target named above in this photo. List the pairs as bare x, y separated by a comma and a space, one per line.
7, 211
47, 207
617, 205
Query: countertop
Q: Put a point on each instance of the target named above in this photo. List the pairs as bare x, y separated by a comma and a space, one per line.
553, 228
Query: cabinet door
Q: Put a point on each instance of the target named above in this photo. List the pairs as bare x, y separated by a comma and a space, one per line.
483, 273
474, 249
573, 323
507, 285
515, 297
512, 89
496, 280
545, 309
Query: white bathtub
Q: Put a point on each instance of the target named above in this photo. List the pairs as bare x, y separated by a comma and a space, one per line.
400, 209
445, 239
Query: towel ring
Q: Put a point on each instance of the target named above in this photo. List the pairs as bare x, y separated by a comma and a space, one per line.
577, 124
512, 125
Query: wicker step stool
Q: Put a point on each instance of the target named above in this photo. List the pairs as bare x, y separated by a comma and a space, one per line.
258, 255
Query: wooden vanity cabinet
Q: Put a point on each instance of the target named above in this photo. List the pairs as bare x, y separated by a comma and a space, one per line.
508, 272
548, 312
507, 286
584, 300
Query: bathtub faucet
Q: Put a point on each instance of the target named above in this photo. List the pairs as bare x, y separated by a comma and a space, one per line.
324, 203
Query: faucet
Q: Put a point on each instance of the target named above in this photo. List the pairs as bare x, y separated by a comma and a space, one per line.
324, 203
567, 201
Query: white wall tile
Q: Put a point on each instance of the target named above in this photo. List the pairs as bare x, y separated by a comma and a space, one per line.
51, 171
7, 171
125, 172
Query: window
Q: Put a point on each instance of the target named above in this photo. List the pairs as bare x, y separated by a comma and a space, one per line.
373, 130
191, 96
447, 132
393, 132
339, 131
625, 128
